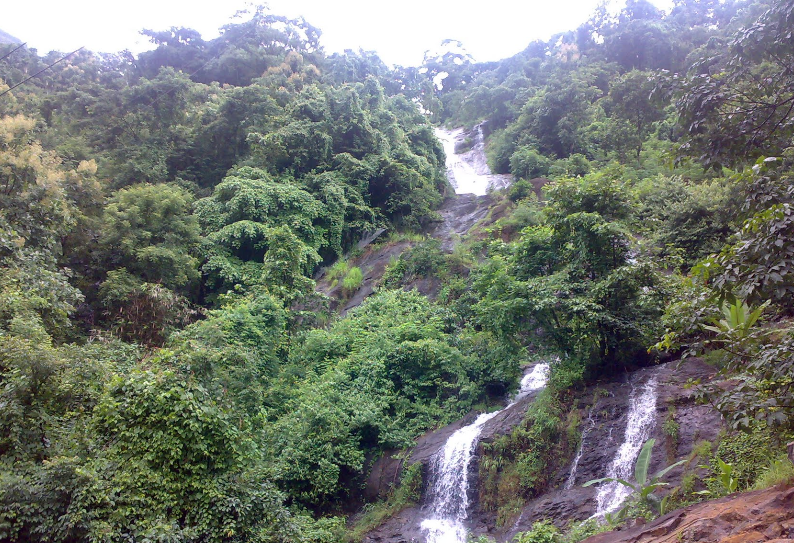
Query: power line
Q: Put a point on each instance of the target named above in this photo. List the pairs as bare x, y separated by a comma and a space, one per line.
40, 72
13, 51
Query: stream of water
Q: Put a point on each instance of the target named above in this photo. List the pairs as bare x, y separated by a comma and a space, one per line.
449, 488
469, 172
641, 418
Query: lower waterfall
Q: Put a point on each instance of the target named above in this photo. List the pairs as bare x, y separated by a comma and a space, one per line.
449, 489
641, 418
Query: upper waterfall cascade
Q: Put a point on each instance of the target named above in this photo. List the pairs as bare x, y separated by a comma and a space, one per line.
450, 467
469, 172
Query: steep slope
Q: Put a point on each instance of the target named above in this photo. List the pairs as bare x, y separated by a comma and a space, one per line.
5, 37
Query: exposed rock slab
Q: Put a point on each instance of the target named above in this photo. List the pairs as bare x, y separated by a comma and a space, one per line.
459, 214
763, 515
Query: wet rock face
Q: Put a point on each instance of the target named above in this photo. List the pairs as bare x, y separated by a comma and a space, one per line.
385, 471
607, 403
458, 215
764, 515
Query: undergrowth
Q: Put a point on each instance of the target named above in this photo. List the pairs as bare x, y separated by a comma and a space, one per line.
544, 531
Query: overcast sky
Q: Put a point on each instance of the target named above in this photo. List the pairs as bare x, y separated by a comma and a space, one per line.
399, 30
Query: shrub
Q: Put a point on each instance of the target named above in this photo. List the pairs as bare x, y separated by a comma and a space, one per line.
338, 270
781, 470
746, 452
542, 532
527, 163
353, 280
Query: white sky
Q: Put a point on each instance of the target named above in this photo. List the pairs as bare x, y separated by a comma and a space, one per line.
399, 30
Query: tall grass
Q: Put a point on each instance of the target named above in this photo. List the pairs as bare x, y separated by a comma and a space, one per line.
781, 470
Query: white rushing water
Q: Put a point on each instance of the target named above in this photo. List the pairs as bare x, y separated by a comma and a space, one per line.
641, 418
469, 172
449, 488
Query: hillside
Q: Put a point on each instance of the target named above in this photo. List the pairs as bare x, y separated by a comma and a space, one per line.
252, 291
8, 38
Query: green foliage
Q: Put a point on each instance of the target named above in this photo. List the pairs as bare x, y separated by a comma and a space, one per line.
269, 226
520, 465
237, 352
738, 321
694, 218
338, 270
541, 532
738, 108
758, 267
375, 381
96, 447
575, 165
527, 163
353, 280
292, 156
545, 532
39, 208
741, 457
150, 231
424, 259
779, 471
141, 312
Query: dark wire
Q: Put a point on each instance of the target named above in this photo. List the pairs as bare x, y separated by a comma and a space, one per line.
39, 72
15, 49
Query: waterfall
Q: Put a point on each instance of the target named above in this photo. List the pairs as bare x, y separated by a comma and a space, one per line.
641, 418
449, 489
469, 172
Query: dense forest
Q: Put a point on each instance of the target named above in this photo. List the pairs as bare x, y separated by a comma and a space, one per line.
168, 370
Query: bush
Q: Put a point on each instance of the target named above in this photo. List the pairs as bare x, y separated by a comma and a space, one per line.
500, 149
337, 271
781, 470
353, 280
527, 163
541, 532
747, 452
519, 190
575, 165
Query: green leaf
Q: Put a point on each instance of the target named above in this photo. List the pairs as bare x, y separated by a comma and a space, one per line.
662, 472
643, 462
